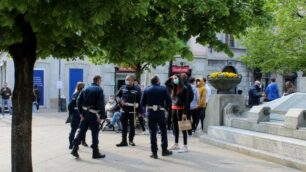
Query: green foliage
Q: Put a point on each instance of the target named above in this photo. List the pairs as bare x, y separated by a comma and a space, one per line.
279, 46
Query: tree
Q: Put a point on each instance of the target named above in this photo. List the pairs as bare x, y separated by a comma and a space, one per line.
31, 29
76, 28
280, 45
157, 38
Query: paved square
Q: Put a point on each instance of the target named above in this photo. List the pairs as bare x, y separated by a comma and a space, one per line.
51, 154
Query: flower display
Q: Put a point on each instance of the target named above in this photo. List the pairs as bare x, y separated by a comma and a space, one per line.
219, 75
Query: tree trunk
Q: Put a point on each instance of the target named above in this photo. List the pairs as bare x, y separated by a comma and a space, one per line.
138, 72
24, 56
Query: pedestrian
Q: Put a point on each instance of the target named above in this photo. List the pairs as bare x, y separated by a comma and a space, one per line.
180, 104
157, 100
202, 102
37, 93
74, 115
194, 111
271, 91
184, 78
254, 94
34, 101
208, 90
6, 94
289, 88
129, 97
90, 105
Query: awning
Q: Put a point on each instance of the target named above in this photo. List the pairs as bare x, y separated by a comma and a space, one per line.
180, 69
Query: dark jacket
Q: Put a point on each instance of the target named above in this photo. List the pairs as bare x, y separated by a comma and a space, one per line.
72, 107
92, 97
254, 96
37, 93
6, 93
130, 95
156, 95
180, 96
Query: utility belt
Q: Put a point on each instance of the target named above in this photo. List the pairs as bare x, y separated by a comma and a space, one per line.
134, 105
156, 108
75, 108
96, 112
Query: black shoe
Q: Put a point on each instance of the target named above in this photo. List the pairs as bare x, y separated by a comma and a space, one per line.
70, 146
96, 154
74, 151
154, 156
122, 144
132, 143
84, 144
166, 153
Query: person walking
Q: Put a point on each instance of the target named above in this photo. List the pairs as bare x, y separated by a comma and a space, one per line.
157, 100
254, 94
180, 104
272, 91
194, 111
91, 107
202, 103
37, 93
74, 115
6, 94
129, 97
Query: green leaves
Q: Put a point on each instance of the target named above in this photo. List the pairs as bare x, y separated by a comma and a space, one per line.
279, 46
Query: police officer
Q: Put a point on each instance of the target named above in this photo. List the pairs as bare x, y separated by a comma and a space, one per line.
90, 104
157, 100
74, 115
129, 97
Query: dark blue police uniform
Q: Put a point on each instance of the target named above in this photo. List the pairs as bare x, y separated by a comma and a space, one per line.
131, 95
75, 118
157, 99
91, 99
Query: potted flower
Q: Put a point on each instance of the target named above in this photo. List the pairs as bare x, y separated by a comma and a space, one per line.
224, 81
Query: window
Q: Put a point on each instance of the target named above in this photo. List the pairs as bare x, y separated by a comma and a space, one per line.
229, 40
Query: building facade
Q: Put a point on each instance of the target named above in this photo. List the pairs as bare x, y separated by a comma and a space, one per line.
58, 77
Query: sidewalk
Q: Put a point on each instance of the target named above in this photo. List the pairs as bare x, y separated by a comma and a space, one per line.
50, 153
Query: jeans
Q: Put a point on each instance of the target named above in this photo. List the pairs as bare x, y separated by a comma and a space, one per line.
9, 105
116, 119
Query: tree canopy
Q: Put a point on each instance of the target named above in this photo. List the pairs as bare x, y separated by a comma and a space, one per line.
279, 46
121, 29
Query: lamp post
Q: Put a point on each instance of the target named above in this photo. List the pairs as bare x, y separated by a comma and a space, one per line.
58, 85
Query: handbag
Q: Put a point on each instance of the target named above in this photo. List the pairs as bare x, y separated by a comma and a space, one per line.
184, 125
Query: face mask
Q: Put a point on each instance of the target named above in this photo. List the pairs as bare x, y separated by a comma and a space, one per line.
127, 82
111, 100
175, 81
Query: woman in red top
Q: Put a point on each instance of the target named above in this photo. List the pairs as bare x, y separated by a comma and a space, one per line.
180, 104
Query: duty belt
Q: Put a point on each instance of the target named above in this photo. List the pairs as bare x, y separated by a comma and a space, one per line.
156, 108
75, 108
96, 112
135, 105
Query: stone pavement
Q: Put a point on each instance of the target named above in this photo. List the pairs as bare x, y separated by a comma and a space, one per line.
51, 154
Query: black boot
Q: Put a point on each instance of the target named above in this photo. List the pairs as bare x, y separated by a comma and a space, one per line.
74, 151
131, 143
70, 145
166, 152
84, 143
154, 156
123, 143
96, 154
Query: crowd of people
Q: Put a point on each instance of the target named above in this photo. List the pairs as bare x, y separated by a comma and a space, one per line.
269, 94
181, 98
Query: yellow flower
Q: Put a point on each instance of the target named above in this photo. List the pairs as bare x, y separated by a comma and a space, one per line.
216, 75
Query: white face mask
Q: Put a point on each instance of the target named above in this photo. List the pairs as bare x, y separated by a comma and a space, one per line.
127, 82
176, 81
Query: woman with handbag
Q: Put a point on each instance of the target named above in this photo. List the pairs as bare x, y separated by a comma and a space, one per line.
180, 104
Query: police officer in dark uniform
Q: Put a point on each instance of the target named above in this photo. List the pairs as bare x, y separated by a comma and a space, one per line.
74, 115
129, 97
157, 100
90, 104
